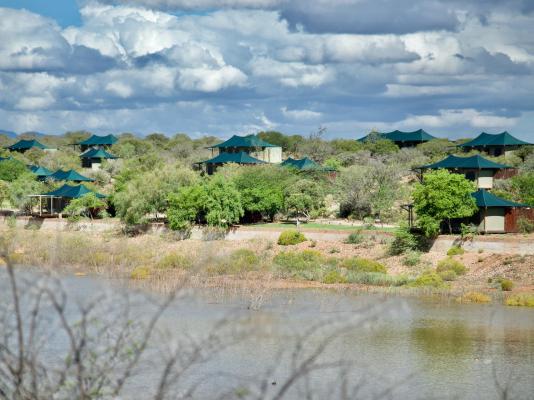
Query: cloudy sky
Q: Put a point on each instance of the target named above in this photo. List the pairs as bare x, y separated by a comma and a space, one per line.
222, 67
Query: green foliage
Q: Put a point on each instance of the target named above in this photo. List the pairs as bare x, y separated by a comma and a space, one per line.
412, 258
428, 279
88, 205
238, 262
442, 196
262, 188
291, 237
354, 238
468, 231
140, 273
362, 265
380, 146
347, 145
522, 188
223, 202
11, 169
524, 225
455, 251
403, 242
334, 276
448, 275
435, 149
474, 297
306, 264
21, 188
185, 207
506, 285
450, 264
303, 197
520, 300
377, 279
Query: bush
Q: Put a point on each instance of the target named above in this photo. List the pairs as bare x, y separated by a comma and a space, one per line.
448, 275
238, 262
363, 265
334, 276
210, 233
428, 279
377, 279
140, 273
474, 297
520, 300
404, 241
524, 225
291, 237
450, 264
354, 238
506, 285
305, 264
174, 261
455, 251
412, 258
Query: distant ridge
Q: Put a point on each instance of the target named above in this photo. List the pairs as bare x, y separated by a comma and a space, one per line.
9, 134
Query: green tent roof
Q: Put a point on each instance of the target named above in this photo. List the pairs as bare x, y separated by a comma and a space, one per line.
244, 141
238, 158
474, 162
26, 145
97, 153
69, 175
304, 164
399, 136
72, 192
40, 171
499, 139
95, 140
484, 198
5, 158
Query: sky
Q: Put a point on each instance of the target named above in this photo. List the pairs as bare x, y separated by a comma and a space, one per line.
220, 67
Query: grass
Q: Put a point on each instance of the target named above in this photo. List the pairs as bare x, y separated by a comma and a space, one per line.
520, 300
318, 226
474, 297
455, 251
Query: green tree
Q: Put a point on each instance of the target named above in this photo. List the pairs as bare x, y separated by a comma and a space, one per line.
302, 198
186, 207
380, 147
262, 188
21, 188
442, 196
11, 169
88, 205
522, 188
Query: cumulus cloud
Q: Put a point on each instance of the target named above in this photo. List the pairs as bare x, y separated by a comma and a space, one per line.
470, 117
300, 114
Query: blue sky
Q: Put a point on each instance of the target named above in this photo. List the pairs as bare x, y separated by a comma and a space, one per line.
222, 67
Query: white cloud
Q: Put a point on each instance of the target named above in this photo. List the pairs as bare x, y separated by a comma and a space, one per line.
469, 117
210, 80
300, 114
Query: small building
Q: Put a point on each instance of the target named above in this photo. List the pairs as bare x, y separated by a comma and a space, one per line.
476, 168
100, 142
495, 145
24, 145
253, 146
53, 203
400, 138
240, 158
70, 175
306, 164
94, 157
41, 173
497, 215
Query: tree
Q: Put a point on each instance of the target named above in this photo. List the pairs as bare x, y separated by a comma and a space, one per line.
442, 196
186, 207
21, 188
87, 205
302, 198
145, 195
11, 169
522, 187
368, 190
262, 188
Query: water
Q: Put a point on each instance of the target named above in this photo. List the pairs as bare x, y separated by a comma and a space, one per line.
417, 348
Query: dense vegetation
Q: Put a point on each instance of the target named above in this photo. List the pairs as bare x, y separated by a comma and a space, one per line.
156, 178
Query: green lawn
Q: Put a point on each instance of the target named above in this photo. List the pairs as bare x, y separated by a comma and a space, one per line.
315, 225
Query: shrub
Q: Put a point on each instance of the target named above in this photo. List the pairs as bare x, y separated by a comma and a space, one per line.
473, 297
210, 233
428, 279
354, 238
363, 265
451, 264
448, 275
412, 258
173, 261
506, 285
291, 237
305, 264
377, 279
140, 273
524, 225
403, 242
238, 262
455, 251
334, 276
520, 300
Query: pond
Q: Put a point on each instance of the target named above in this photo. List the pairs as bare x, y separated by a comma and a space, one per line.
387, 347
